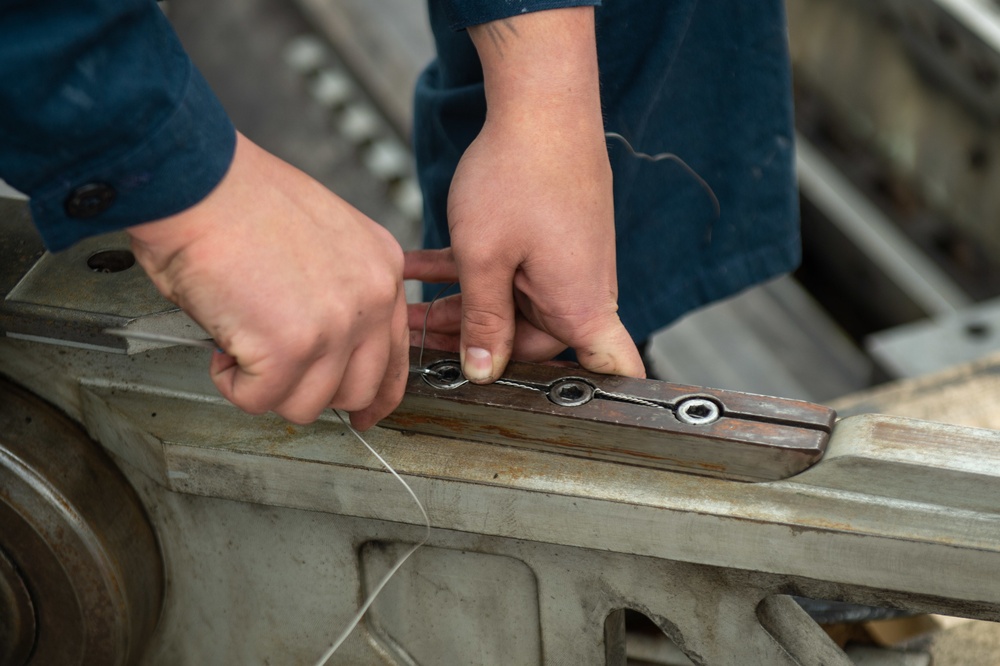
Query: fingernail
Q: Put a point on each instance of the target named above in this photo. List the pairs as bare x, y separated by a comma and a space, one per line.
478, 365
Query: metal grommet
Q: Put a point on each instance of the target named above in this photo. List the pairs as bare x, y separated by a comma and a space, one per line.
571, 392
445, 374
697, 411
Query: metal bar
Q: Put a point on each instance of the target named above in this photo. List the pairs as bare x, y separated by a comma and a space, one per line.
719, 433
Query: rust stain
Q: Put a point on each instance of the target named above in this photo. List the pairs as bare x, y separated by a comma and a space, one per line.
290, 429
514, 473
505, 432
569, 444
509, 436
414, 421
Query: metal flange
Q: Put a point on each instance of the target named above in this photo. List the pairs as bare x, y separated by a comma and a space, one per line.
80, 568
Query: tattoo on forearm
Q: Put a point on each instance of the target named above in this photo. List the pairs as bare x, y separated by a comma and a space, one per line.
498, 32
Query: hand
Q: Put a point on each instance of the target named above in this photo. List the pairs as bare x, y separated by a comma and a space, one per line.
302, 291
438, 325
530, 207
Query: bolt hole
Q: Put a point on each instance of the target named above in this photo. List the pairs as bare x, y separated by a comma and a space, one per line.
111, 261
570, 392
449, 373
698, 411
978, 330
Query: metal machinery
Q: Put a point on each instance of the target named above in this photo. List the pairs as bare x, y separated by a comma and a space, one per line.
145, 521
247, 540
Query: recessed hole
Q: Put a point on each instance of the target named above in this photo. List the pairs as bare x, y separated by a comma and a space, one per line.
571, 392
698, 411
978, 330
449, 373
111, 261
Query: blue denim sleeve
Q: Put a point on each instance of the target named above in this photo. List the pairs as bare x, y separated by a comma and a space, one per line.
463, 13
104, 121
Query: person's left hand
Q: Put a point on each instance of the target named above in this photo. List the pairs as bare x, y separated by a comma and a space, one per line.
530, 209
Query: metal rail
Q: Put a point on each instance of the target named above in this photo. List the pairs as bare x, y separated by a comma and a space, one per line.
885, 246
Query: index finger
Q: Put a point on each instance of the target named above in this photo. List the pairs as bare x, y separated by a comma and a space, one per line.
390, 392
430, 265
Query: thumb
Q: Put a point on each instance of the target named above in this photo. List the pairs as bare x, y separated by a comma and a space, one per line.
610, 350
487, 323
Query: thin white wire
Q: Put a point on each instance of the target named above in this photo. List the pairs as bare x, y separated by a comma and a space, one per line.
427, 314
392, 572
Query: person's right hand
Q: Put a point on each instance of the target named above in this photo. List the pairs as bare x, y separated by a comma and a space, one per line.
302, 291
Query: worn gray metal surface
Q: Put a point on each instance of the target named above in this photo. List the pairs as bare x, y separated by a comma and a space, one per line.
242, 50
770, 339
933, 345
270, 531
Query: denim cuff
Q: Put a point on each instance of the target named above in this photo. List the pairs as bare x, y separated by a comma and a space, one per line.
464, 13
180, 162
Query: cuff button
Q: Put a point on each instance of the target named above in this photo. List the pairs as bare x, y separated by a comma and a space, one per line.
89, 200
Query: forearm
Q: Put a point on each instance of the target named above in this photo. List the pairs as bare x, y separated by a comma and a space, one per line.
541, 65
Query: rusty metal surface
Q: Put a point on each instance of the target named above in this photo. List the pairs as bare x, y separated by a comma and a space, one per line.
78, 538
17, 626
756, 438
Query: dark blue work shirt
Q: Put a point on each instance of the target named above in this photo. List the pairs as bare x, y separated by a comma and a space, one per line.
104, 121
708, 81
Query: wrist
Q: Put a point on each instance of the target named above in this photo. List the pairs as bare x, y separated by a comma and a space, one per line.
164, 237
541, 64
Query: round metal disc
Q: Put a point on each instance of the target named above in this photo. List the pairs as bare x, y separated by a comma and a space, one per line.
83, 572
571, 392
697, 411
445, 374
17, 628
